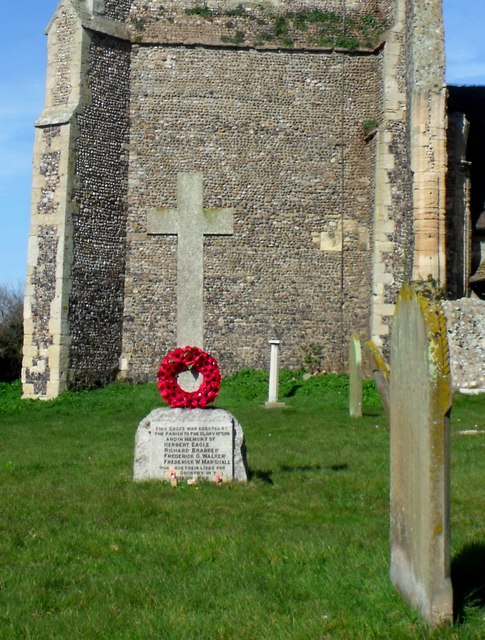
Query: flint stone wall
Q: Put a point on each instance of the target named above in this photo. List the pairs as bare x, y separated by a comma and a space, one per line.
311, 24
265, 129
465, 321
99, 224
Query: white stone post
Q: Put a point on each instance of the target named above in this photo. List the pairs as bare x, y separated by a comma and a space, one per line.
274, 374
355, 377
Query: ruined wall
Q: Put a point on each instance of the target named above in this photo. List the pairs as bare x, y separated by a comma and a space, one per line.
411, 159
306, 133
266, 129
465, 321
310, 24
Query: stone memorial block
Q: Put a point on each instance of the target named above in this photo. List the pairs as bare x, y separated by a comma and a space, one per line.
420, 392
355, 377
204, 443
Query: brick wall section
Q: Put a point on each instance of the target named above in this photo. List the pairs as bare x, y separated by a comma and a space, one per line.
49, 169
265, 128
47, 212
99, 224
465, 321
393, 238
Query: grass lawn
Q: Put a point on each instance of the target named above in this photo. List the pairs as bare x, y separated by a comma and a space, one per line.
300, 552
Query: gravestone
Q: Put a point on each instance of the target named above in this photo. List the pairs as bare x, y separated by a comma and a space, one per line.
195, 443
190, 223
380, 373
420, 392
355, 377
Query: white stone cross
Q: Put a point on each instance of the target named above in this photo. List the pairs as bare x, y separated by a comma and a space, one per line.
190, 222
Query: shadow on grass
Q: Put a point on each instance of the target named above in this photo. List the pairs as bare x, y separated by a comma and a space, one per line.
265, 476
287, 468
468, 579
291, 392
259, 474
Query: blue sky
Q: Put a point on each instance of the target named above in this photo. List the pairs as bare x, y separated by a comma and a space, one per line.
22, 90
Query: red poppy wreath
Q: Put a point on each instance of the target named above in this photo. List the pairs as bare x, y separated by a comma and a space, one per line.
188, 359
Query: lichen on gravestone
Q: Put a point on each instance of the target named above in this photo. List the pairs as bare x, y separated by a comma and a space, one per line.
380, 373
420, 395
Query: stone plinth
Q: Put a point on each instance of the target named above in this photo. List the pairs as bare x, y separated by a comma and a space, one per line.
202, 443
420, 463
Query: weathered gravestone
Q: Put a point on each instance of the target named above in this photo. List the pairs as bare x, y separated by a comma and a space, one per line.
420, 394
380, 373
355, 377
203, 443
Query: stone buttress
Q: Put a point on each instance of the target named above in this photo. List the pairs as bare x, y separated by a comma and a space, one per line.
74, 287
